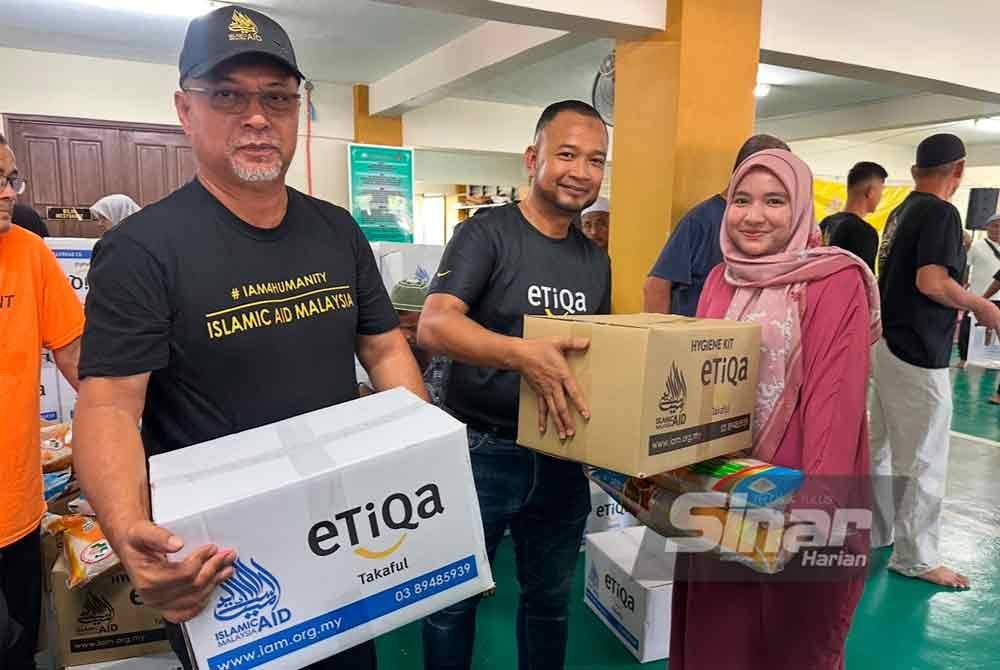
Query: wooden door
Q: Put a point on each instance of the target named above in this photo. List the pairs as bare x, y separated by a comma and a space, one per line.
156, 163
66, 166
75, 162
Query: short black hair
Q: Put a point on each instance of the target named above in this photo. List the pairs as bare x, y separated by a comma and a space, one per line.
756, 144
865, 171
3, 140
557, 108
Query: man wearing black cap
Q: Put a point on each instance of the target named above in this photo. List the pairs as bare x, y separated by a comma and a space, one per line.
232, 303
921, 261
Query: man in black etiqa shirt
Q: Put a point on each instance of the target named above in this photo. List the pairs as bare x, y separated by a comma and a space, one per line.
525, 258
847, 229
921, 262
232, 303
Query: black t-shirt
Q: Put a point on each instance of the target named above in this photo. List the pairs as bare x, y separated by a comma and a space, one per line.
239, 326
502, 267
29, 219
852, 233
922, 230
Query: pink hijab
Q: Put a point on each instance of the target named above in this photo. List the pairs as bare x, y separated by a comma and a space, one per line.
770, 290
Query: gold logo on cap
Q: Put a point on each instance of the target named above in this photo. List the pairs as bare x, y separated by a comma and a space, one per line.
242, 27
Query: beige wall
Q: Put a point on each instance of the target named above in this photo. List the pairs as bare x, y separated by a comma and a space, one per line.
469, 141
97, 88
472, 125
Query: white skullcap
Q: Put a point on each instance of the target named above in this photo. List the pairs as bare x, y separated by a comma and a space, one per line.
600, 205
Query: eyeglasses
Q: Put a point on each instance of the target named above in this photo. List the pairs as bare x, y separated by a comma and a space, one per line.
235, 101
16, 183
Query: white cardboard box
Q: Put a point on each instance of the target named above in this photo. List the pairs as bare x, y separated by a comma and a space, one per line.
67, 399
349, 522
48, 391
605, 514
629, 585
73, 255
167, 661
983, 352
397, 262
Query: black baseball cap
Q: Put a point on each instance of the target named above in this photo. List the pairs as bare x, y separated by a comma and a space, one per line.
940, 149
232, 31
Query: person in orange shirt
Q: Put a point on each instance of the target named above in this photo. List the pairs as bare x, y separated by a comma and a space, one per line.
37, 309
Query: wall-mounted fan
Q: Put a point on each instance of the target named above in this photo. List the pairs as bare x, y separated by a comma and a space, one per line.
603, 93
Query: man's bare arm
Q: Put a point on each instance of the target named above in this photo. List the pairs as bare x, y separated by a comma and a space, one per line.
68, 361
108, 454
111, 465
656, 295
935, 283
390, 362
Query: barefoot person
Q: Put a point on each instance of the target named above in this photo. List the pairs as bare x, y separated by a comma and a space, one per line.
818, 310
921, 262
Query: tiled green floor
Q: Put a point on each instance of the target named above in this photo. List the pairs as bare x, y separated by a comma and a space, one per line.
901, 624
973, 415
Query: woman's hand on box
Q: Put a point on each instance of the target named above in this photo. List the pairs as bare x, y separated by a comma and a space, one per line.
543, 365
179, 589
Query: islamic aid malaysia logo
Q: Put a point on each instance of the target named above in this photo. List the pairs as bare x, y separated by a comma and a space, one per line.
249, 603
674, 398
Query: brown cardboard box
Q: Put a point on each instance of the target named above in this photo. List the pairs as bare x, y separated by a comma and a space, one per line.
102, 621
664, 391
51, 550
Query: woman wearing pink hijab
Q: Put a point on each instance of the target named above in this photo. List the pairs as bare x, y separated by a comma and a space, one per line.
818, 311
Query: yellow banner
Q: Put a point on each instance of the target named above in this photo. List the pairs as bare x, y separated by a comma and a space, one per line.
829, 198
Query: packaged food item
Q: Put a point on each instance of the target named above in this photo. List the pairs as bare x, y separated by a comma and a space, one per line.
57, 449
744, 538
760, 484
56, 483
87, 552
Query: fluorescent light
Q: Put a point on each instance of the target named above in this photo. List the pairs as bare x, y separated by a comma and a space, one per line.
988, 125
188, 9
761, 90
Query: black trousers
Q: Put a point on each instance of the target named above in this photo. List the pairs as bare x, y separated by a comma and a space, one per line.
361, 657
21, 589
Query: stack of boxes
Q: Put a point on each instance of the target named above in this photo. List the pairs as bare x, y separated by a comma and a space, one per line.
605, 514
664, 392
628, 585
101, 621
98, 624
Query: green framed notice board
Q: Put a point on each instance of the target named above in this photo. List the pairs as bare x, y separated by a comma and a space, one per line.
380, 183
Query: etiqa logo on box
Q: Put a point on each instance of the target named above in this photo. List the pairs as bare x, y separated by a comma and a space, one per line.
396, 512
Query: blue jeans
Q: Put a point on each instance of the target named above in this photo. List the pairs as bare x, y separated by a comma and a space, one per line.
545, 502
